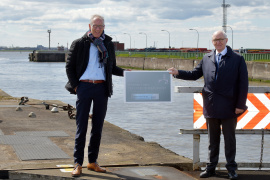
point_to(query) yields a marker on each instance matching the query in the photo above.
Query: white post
(196, 152)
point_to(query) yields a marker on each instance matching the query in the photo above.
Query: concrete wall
(256, 70)
(47, 56)
(155, 63)
(130, 62)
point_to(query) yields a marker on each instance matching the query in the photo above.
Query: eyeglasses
(218, 40)
(98, 26)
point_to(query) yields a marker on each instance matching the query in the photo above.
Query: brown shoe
(77, 171)
(95, 167)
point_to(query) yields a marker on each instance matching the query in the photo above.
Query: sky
(25, 23)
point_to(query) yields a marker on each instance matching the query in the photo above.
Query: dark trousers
(86, 94)
(214, 132)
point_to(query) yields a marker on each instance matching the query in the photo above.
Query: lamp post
(169, 38)
(115, 42)
(197, 41)
(129, 40)
(145, 36)
(49, 31)
(115, 37)
(155, 44)
(232, 34)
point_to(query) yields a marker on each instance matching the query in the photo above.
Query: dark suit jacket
(229, 91)
(78, 58)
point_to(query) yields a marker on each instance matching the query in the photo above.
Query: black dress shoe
(232, 175)
(206, 174)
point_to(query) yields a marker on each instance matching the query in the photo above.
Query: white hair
(96, 16)
(220, 31)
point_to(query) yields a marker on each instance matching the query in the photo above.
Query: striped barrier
(256, 120)
(256, 117)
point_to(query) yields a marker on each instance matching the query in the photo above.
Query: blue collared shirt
(222, 52)
(94, 70)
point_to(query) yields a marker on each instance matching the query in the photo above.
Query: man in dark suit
(224, 98)
(90, 65)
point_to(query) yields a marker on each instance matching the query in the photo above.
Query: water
(157, 122)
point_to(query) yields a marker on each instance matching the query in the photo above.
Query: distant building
(60, 48)
(119, 46)
(40, 47)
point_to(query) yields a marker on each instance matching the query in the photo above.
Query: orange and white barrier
(256, 117)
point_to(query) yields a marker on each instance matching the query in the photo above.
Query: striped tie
(218, 60)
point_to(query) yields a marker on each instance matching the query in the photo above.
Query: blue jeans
(86, 94)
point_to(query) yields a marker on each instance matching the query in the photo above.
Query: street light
(145, 36)
(169, 38)
(115, 37)
(232, 34)
(197, 41)
(115, 42)
(49, 31)
(129, 40)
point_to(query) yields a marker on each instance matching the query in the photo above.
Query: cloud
(63, 2)
(182, 14)
(69, 19)
(252, 3)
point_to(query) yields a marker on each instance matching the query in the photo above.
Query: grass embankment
(259, 80)
(262, 60)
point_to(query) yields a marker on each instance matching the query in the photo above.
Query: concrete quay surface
(41, 147)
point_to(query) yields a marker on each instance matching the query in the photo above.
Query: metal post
(49, 31)
(232, 34)
(225, 6)
(115, 42)
(129, 40)
(262, 143)
(197, 41)
(115, 37)
(145, 37)
(169, 38)
(196, 151)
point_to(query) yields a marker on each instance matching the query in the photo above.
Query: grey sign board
(148, 86)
